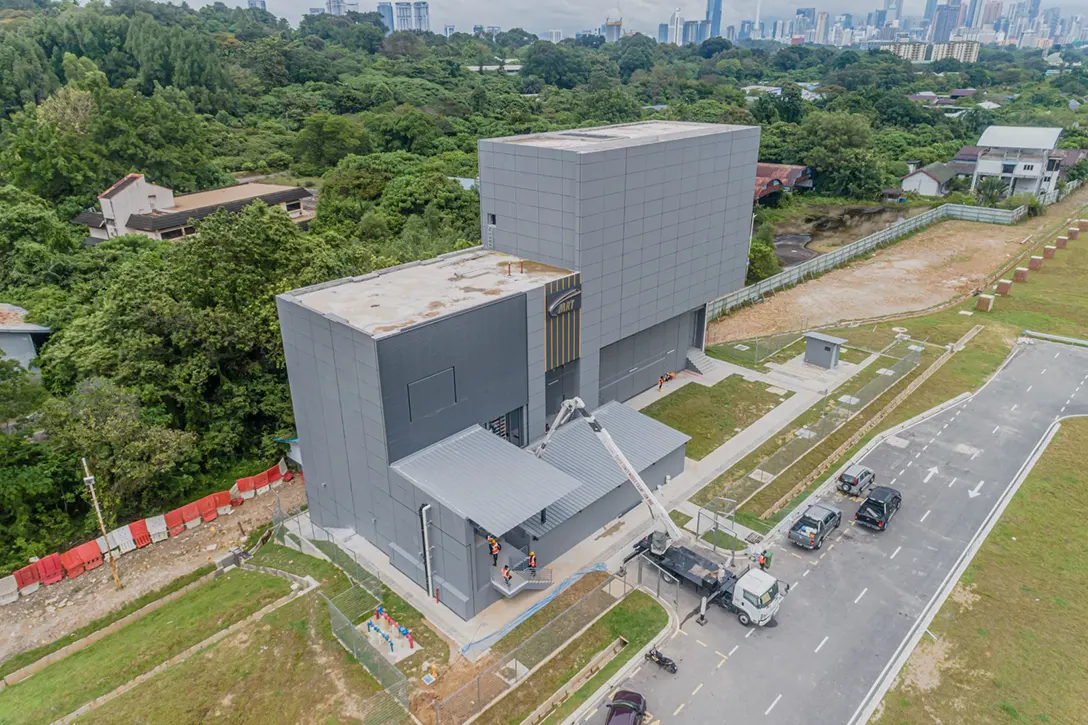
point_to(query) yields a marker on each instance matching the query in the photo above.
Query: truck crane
(713, 580)
(667, 531)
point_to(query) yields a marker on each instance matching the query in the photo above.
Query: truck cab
(754, 597)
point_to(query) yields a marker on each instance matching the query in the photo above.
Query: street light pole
(88, 479)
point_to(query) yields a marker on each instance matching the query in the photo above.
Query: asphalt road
(793, 249)
(853, 603)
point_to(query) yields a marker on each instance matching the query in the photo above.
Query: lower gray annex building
(418, 390)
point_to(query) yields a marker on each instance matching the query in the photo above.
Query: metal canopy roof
(1023, 137)
(482, 477)
(826, 338)
(576, 450)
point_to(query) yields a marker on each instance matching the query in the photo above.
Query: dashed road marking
(975, 455)
(677, 710)
(925, 515)
(902, 472)
(822, 643)
(735, 648)
(994, 430)
(1057, 354)
(952, 481)
(795, 585)
(797, 555)
(768, 710)
(682, 632)
(1044, 372)
(750, 633)
(1013, 407)
(897, 549)
(696, 690)
(861, 595)
(635, 673)
(1029, 388)
(924, 447)
(893, 481)
(806, 572)
(1062, 410)
(700, 642)
(918, 454)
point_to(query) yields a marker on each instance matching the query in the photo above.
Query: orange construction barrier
(174, 523)
(139, 532)
(50, 570)
(90, 554)
(190, 514)
(206, 506)
(222, 502)
(73, 564)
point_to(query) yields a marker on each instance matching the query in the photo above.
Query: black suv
(878, 509)
(626, 708)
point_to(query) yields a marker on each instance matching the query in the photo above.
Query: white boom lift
(660, 540)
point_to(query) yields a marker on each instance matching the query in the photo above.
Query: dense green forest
(165, 367)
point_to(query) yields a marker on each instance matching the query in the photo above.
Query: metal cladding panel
(481, 477)
(486, 349)
(576, 450)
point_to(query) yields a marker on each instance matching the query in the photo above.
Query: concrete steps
(699, 362)
(521, 580)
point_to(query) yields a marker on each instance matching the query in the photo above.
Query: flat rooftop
(588, 140)
(385, 302)
(215, 197)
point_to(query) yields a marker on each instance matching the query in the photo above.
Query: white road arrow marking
(977, 490)
(929, 474)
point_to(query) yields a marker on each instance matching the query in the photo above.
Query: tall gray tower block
(655, 215)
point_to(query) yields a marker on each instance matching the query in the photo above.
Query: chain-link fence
(295, 530)
(515, 665)
(758, 350)
(836, 409)
(391, 704)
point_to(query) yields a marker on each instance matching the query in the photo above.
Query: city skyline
(641, 16)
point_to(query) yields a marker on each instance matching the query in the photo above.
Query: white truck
(755, 596)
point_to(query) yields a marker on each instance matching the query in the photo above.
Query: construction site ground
(52, 612)
(937, 264)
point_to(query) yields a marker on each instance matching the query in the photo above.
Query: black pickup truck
(877, 510)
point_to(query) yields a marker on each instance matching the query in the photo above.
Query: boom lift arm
(660, 540)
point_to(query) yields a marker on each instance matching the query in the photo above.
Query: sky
(643, 15)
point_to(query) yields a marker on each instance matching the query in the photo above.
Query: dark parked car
(626, 708)
(814, 526)
(878, 509)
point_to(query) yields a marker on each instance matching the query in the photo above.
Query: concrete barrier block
(1020, 275)
(985, 303)
(1036, 262)
(1061, 242)
(1074, 232)
(1004, 287)
(9, 590)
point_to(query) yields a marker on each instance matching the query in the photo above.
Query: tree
(990, 190)
(712, 46)
(637, 54)
(325, 139)
(127, 452)
(762, 260)
(555, 65)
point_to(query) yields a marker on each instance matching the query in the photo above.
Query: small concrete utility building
(822, 350)
(419, 390)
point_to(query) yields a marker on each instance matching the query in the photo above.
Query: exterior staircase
(521, 579)
(699, 362)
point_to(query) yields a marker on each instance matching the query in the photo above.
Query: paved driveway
(854, 603)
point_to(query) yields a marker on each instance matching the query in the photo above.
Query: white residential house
(932, 180)
(136, 206)
(1024, 157)
(19, 339)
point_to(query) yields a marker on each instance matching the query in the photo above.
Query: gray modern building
(418, 390)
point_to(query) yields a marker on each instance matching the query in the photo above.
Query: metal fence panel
(824, 262)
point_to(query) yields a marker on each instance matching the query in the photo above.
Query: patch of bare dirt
(926, 664)
(964, 596)
(938, 264)
(54, 611)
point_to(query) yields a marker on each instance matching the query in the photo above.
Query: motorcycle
(661, 660)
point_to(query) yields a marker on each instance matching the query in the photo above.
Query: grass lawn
(25, 658)
(711, 416)
(1013, 637)
(114, 660)
(755, 357)
(286, 668)
(679, 518)
(638, 618)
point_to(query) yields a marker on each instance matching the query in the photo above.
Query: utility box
(822, 350)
